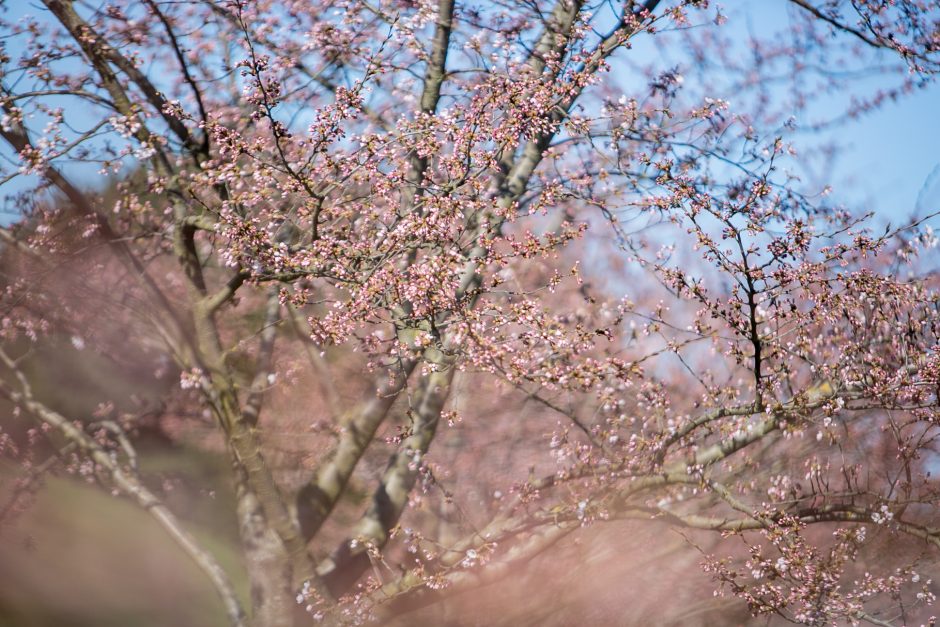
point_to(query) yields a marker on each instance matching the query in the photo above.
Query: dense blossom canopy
(509, 277)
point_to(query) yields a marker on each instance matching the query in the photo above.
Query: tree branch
(350, 560)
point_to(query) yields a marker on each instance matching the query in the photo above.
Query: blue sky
(889, 155)
(893, 153)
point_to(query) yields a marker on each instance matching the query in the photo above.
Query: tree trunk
(269, 569)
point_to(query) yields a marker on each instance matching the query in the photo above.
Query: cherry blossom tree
(505, 280)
